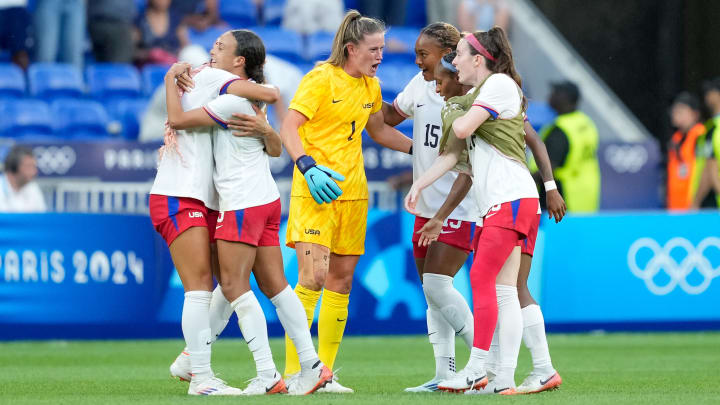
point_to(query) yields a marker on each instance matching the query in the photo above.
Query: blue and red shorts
(519, 215)
(456, 233)
(256, 226)
(172, 216)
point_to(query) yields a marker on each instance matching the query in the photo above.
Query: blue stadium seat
(539, 114)
(25, 118)
(152, 77)
(55, 80)
(394, 77)
(319, 46)
(416, 13)
(85, 119)
(238, 13)
(128, 113)
(404, 38)
(273, 11)
(12, 81)
(110, 81)
(206, 38)
(282, 43)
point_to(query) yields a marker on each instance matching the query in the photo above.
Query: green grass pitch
(596, 369)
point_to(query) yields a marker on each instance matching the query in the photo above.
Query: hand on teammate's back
(250, 125)
(320, 180)
(555, 205)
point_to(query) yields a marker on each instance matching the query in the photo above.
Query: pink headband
(478, 46)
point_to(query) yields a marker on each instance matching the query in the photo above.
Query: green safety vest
(580, 175)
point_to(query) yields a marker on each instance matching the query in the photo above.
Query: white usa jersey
(496, 177)
(242, 168)
(420, 102)
(188, 171)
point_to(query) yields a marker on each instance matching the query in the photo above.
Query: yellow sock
(331, 325)
(309, 299)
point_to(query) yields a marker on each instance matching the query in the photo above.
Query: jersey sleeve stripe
(215, 117)
(494, 114)
(225, 86)
(399, 110)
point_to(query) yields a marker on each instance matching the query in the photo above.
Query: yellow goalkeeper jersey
(337, 107)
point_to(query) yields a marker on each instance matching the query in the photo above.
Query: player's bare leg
(543, 377)
(236, 261)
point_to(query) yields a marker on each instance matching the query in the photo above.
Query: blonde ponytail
(353, 29)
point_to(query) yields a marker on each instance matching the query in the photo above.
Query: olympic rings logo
(678, 273)
(54, 159)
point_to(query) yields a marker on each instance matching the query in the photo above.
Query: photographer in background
(18, 191)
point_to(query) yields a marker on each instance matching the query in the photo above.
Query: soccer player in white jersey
(247, 228)
(543, 376)
(183, 208)
(489, 120)
(448, 313)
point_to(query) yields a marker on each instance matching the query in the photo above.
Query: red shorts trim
(456, 233)
(256, 226)
(172, 216)
(519, 215)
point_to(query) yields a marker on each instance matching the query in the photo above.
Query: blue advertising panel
(639, 268)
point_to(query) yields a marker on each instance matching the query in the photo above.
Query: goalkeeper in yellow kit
(329, 201)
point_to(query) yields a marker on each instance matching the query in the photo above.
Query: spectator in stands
(286, 77)
(18, 191)
(683, 167)
(110, 23)
(474, 15)
(572, 143)
(390, 12)
(310, 16)
(60, 31)
(708, 191)
(198, 14)
(160, 34)
(16, 31)
(442, 10)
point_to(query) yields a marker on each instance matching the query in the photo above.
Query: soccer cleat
(180, 368)
(464, 380)
(310, 381)
(492, 388)
(266, 386)
(536, 382)
(430, 386)
(212, 386)
(334, 387)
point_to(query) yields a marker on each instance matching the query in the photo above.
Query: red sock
(494, 246)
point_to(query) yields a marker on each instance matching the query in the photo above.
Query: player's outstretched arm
(390, 114)
(386, 135)
(442, 164)
(253, 91)
(555, 203)
(431, 230)
(320, 179)
(467, 124)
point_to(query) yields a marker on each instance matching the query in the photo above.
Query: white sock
(509, 331)
(476, 363)
(491, 364)
(442, 338)
(292, 317)
(441, 294)
(535, 339)
(220, 312)
(254, 329)
(196, 330)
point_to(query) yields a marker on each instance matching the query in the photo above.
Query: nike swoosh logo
(497, 391)
(209, 342)
(445, 232)
(268, 389)
(341, 320)
(432, 333)
(489, 215)
(546, 381)
(219, 226)
(419, 105)
(248, 342)
(336, 101)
